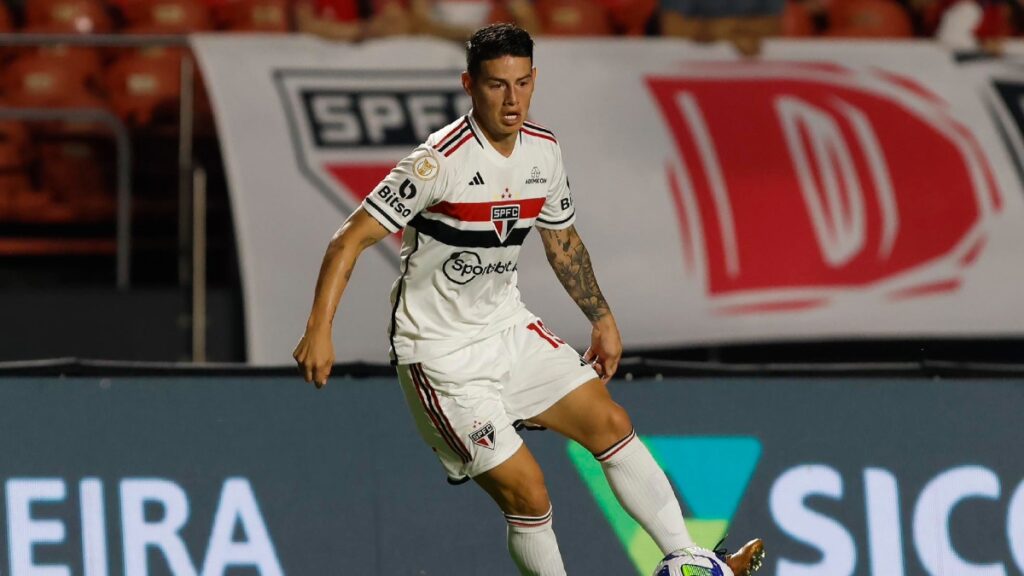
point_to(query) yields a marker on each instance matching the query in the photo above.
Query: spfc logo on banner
(349, 127)
(838, 182)
(504, 219)
(483, 436)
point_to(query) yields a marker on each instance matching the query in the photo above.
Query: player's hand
(315, 355)
(605, 348)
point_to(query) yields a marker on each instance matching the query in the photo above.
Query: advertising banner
(827, 190)
(215, 476)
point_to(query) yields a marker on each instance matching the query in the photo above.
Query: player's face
(501, 94)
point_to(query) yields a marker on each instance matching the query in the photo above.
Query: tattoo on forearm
(571, 262)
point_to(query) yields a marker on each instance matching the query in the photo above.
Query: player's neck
(504, 144)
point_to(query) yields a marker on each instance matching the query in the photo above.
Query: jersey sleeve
(413, 185)
(558, 212)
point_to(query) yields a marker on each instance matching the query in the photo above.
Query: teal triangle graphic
(711, 473)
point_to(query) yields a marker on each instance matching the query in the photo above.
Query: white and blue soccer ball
(692, 562)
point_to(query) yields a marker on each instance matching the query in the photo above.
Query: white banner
(829, 190)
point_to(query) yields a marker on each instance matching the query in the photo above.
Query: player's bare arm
(315, 351)
(570, 260)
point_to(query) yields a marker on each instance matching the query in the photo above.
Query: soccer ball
(692, 562)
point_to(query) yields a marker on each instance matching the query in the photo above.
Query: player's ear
(467, 83)
(534, 72)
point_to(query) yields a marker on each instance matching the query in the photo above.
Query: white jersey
(467, 209)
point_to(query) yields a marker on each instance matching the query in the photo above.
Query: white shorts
(466, 403)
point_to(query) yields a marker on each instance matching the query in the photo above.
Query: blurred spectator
(970, 24)
(633, 17)
(744, 23)
(597, 17)
(573, 18)
(458, 19)
(252, 15)
(852, 18)
(868, 19)
(352, 20)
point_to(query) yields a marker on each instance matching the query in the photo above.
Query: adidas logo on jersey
(478, 179)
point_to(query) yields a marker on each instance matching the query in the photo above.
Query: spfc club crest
(483, 436)
(349, 127)
(504, 219)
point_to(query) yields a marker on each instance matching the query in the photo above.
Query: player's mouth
(510, 118)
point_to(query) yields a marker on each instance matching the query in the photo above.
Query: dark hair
(495, 41)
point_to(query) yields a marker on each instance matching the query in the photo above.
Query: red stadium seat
(14, 145)
(631, 17)
(254, 15)
(67, 16)
(499, 13)
(166, 16)
(85, 62)
(144, 85)
(48, 79)
(796, 20)
(573, 18)
(6, 22)
(868, 19)
(19, 201)
(78, 174)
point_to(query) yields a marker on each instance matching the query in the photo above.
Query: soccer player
(473, 362)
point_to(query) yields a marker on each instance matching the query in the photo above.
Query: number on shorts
(546, 334)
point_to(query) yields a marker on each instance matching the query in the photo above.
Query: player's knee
(616, 421)
(529, 497)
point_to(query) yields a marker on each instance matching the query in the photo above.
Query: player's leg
(456, 405)
(589, 416)
(517, 486)
(553, 387)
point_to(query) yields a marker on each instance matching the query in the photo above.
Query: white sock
(532, 544)
(644, 491)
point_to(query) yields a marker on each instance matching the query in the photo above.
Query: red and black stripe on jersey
(457, 137)
(475, 212)
(432, 406)
(538, 131)
(557, 222)
(369, 201)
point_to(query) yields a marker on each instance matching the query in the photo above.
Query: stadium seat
(49, 79)
(67, 16)
(868, 19)
(573, 18)
(14, 145)
(797, 21)
(14, 178)
(499, 13)
(45, 79)
(166, 16)
(19, 200)
(253, 15)
(631, 17)
(78, 174)
(144, 85)
(84, 61)
(6, 22)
